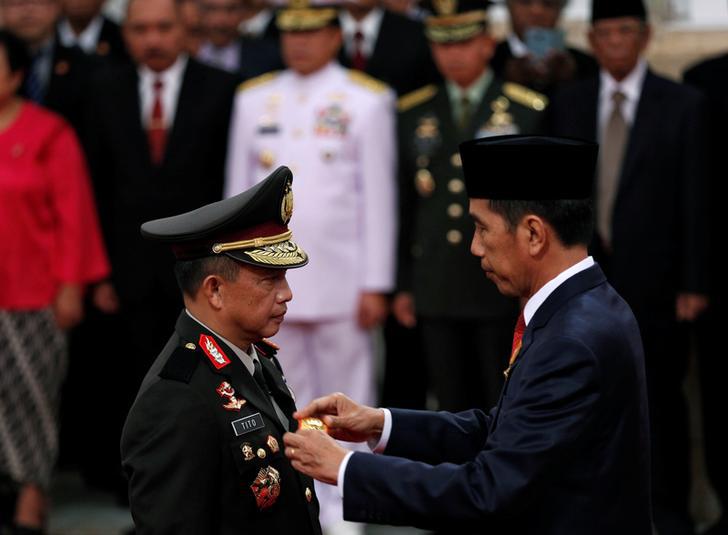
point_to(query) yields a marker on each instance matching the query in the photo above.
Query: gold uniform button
(261, 453)
(309, 495)
(455, 211)
(266, 159)
(455, 160)
(454, 237)
(456, 185)
(190, 346)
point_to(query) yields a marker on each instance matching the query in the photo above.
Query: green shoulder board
(525, 96)
(416, 97)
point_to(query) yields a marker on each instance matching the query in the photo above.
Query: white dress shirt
(533, 304)
(172, 80)
(631, 87)
(87, 40)
(368, 26)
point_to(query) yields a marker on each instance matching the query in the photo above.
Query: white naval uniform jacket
(335, 129)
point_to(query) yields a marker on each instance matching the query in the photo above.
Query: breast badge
(226, 391)
(332, 121)
(272, 444)
(427, 136)
(501, 121)
(247, 449)
(424, 183)
(313, 423)
(266, 488)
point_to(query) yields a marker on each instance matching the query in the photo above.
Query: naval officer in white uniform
(335, 129)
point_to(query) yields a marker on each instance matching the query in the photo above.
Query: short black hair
(573, 220)
(191, 273)
(16, 50)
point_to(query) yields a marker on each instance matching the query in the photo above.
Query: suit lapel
(190, 95)
(648, 110)
(130, 111)
(235, 372)
(382, 45)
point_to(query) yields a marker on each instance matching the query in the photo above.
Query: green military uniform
(466, 323)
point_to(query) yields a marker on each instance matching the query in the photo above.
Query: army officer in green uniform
(202, 445)
(440, 284)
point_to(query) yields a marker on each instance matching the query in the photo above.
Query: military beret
(529, 167)
(251, 227)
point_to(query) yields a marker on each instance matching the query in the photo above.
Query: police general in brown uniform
(202, 445)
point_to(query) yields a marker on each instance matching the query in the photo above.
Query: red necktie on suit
(359, 60)
(156, 131)
(517, 342)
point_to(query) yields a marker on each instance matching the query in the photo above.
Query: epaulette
(266, 348)
(525, 96)
(367, 81)
(181, 364)
(258, 80)
(416, 97)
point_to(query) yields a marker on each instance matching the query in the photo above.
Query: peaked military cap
(612, 9)
(251, 227)
(529, 168)
(306, 15)
(456, 20)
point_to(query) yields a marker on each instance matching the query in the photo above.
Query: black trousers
(466, 359)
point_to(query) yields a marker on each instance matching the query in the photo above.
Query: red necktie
(359, 60)
(156, 131)
(517, 341)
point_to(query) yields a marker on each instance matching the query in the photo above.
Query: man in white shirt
(568, 442)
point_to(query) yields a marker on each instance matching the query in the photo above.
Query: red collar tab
(216, 355)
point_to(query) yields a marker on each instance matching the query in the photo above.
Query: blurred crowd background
(111, 116)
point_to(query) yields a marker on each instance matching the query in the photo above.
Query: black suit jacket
(111, 44)
(660, 226)
(565, 451)
(401, 55)
(711, 77)
(67, 86)
(586, 66)
(182, 449)
(130, 190)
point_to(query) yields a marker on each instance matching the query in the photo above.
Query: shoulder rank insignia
(525, 96)
(258, 80)
(227, 392)
(266, 487)
(416, 97)
(266, 348)
(367, 81)
(216, 355)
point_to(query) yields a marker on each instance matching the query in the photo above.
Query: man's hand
(315, 454)
(68, 306)
(689, 306)
(105, 299)
(372, 309)
(403, 308)
(346, 419)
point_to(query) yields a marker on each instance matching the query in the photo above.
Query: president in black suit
(156, 143)
(566, 450)
(387, 46)
(651, 224)
(711, 77)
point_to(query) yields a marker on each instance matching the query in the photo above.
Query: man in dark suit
(386, 45)
(711, 76)
(202, 446)
(156, 144)
(83, 25)
(58, 74)
(515, 61)
(566, 450)
(441, 288)
(226, 49)
(651, 224)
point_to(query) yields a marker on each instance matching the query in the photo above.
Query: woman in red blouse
(50, 250)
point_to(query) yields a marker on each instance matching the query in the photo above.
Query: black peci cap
(251, 227)
(613, 9)
(529, 168)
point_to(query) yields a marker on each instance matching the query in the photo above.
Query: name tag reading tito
(248, 424)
